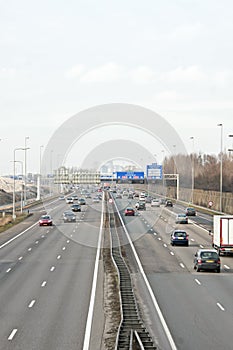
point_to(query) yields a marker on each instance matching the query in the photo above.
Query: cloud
(143, 75)
(223, 78)
(187, 31)
(185, 74)
(190, 77)
(107, 73)
(75, 71)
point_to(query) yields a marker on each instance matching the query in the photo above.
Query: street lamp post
(174, 170)
(13, 204)
(51, 171)
(25, 168)
(21, 201)
(192, 190)
(220, 199)
(39, 176)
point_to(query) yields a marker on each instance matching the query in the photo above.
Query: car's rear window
(207, 255)
(180, 234)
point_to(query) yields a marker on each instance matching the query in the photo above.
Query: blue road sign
(154, 171)
(128, 175)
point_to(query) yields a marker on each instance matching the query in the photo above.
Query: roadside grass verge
(7, 221)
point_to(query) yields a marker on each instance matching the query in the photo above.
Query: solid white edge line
(156, 305)
(220, 307)
(94, 285)
(13, 333)
(17, 236)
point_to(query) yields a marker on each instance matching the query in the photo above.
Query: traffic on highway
(53, 277)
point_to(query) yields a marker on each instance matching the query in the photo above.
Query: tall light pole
(220, 199)
(25, 168)
(192, 191)
(51, 171)
(21, 202)
(39, 176)
(174, 170)
(13, 204)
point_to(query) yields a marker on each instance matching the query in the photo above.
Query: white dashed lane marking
(43, 284)
(13, 333)
(182, 265)
(20, 258)
(52, 268)
(58, 257)
(8, 270)
(220, 307)
(226, 267)
(197, 281)
(29, 249)
(31, 304)
(64, 248)
(172, 253)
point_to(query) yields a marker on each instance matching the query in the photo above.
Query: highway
(47, 275)
(197, 306)
(46, 282)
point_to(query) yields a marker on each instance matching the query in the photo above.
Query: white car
(95, 200)
(155, 203)
(69, 200)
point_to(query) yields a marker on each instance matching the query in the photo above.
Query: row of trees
(206, 170)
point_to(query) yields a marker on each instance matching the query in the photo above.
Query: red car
(129, 211)
(45, 220)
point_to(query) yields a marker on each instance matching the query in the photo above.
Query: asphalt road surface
(46, 277)
(197, 306)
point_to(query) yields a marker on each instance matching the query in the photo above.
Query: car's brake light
(199, 261)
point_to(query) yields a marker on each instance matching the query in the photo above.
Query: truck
(223, 234)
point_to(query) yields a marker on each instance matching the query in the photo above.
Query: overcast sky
(59, 57)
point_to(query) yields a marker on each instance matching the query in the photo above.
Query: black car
(190, 211)
(141, 205)
(207, 259)
(168, 203)
(75, 207)
(179, 237)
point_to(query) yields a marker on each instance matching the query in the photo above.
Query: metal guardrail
(132, 333)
